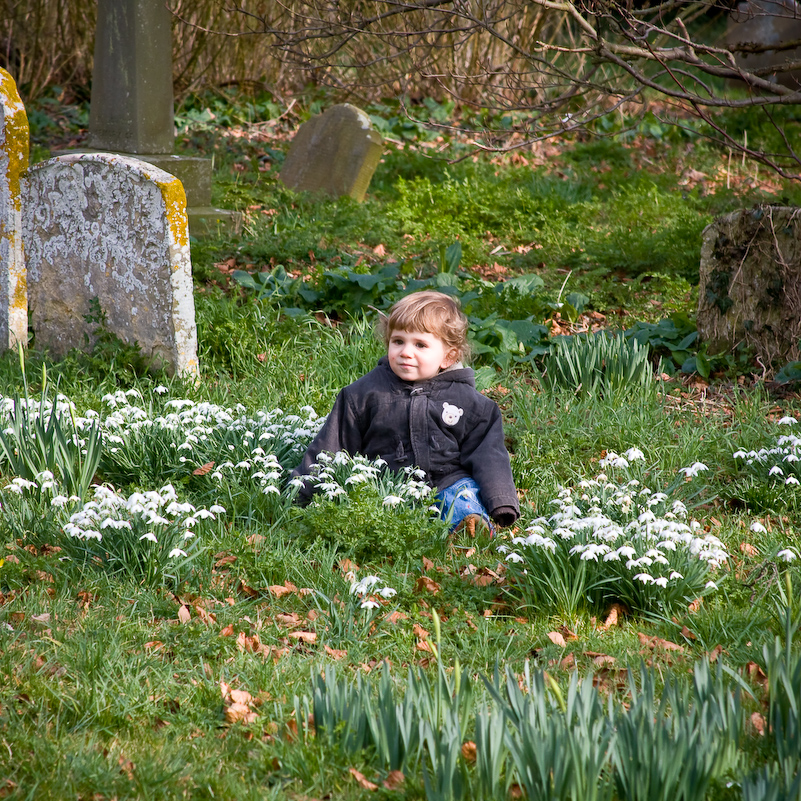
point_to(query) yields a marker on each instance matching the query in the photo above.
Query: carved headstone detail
(111, 228)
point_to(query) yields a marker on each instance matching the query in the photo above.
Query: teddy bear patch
(451, 414)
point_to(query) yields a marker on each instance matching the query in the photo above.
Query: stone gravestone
(14, 139)
(335, 152)
(750, 290)
(111, 228)
(767, 22)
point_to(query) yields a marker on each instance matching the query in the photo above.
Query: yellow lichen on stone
(17, 136)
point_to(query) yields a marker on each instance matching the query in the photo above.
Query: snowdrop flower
(387, 592)
(150, 536)
(175, 552)
(160, 390)
(661, 581)
(710, 585)
(775, 471)
(788, 554)
(757, 527)
(675, 575)
(788, 421)
(59, 500)
(514, 556)
(791, 480)
(694, 469)
(634, 455)
(739, 454)
(369, 604)
(392, 500)
(365, 585)
(645, 578)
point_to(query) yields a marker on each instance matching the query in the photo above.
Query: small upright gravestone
(14, 138)
(111, 228)
(750, 290)
(335, 152)
(765, 23)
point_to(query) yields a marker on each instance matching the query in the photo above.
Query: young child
(420, 407)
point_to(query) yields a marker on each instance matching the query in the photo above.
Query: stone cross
(111, 228)
(14, 145)
(335, 152)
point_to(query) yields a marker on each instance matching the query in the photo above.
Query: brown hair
(431, 312)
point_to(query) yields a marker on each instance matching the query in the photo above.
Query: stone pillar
(132, 102)
(132, 99)
(111, 228)
(14, 145)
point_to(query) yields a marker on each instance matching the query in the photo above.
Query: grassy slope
(105, 694)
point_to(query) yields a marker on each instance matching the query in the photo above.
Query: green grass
(110, 685)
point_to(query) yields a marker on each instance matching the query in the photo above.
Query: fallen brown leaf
(613, 617)
(304, 636)
(289, 621)
(184, 613)
(394, 780)
(362, 780)
(335, 653)
(239, 713)
(227, 631)
(207, 617)
(425, 584)
(203, 469)
(748, 549)
(557, 639)
(420, 632)
(759, 723)
(658, 642)
(240, 697)
(469, 751)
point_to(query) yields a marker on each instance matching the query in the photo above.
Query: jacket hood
(461, 375)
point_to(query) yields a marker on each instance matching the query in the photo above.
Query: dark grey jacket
(442, 425)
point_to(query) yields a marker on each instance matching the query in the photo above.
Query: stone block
(14, 144)
(750, 289)
(335, 152)
(112, 228)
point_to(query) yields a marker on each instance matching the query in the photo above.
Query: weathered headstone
(14, 143)
(750, 289)
(132, 112)
(112, 228)
(335, 152)
(767, 22)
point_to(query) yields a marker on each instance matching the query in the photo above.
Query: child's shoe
(472, 523)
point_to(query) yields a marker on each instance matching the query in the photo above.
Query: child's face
(417, 355)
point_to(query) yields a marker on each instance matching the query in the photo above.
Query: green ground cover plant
(174, 626)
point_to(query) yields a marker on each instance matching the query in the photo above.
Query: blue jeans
(460, 500)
